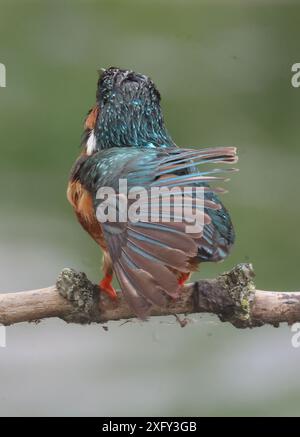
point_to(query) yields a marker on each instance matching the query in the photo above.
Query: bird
(125, 139)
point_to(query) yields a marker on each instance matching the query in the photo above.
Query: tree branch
(232, 297)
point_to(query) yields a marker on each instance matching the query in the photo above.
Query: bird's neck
(131, 126)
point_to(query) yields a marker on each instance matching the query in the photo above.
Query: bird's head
(129, 112)
(125, 87)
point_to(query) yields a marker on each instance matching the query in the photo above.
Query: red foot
(183, 278)
(105, 285)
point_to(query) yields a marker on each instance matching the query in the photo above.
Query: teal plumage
(128, 140)
(130, 113)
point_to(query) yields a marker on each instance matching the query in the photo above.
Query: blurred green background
(224, 71)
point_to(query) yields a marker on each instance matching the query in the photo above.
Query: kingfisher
(125, 139)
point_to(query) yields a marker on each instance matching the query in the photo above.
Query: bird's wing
(146, 254)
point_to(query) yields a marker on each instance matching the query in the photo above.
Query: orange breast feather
(91, 118)
(82, 202)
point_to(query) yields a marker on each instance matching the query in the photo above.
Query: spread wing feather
(147, 254)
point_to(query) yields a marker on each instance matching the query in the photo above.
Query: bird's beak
(101, 71)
